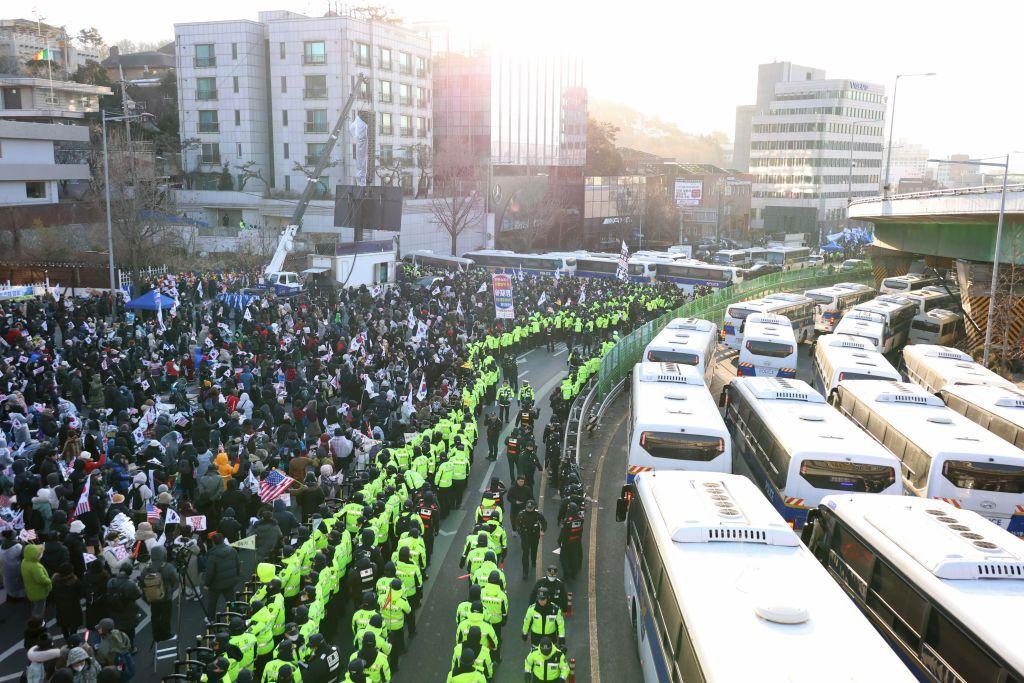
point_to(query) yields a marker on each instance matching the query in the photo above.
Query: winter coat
(66, 597)
(13, 583)
(268, 537)
(223, 569)
(158, 563)
(55, 554)
(96, 393)
(210, 487)
(37, 580)
(225, 468)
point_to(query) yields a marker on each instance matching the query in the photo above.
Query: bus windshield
(984, 476)
(698, 447)
(819, 298)
(925, 326)
(769, 349)
(673, 357)
(738, 313)
(847, 476)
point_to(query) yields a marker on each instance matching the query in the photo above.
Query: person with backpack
(158, 582)
(114, 649)
(123, 594)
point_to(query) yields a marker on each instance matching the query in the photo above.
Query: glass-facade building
(612, 210)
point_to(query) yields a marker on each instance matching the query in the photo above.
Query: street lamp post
(1005, 165)
(892, 121)
(106, 197)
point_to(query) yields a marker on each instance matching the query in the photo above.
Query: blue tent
(149, 301)
(831, 246)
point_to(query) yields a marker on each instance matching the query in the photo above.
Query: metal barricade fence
(621, 358)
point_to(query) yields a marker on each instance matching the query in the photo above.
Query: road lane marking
(595, 661)
(523, 374)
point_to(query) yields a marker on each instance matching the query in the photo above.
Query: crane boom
(286, 242)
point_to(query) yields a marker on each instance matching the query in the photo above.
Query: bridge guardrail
(620, 359)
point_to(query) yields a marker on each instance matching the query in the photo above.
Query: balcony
(384, 97)
(209, 126)
(205, 62)
(314, 94)
(421, 73)
(405, 69)
(209, 158)
(405, 132)
(387, 130)
(314, 59)
(315, 127)
(421, 132)
(421, 104)
(385, 65)
(405, 101)
(206, 94)
(362, 61)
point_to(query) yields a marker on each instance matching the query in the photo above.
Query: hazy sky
(692, 62)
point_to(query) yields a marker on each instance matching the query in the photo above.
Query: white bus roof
(885, 304)
(756, 603)
(1005, 401)
(940, 314)
(808, 426)
(685, 334)
(667, 394)
(953, 366)
(788, 297)
(768, 326)
(978, 578)
(855, 354)
(926, 422)
(855, 286)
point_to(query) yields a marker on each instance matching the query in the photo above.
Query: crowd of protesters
(136, 452)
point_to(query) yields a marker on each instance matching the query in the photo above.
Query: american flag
(153, 513)
(83, 501)
(274, 486)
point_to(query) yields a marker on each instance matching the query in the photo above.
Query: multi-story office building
(266, 94)
(909, 160)
(814, 143)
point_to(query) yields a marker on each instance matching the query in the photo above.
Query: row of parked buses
(643, 266)
(712, 557)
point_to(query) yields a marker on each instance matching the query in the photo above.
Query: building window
(208, 121)
(316, 121)
(384, 91)
(315, 88)
(421, 127)
(210, 153)
(287, 180)
(405, 126)
(405, 94)
(362, 51)
(234, 83)
(206, 88)
(286, 150)
(284, 84)
(421, 97)
(204, 56)
(238, 117)
(387, 154)
(234, 50)
(385, 124)
(238, 149)
(284, 117)
(421, 67)
(405, 63)
(313, 152)
(280, 48)
(384, 59)
(314, 52)
(35, 189)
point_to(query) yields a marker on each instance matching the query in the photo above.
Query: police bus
(931, 297)
(719, 588)
(687, 341)
(797, 448)
(933, 367)
(831, 302)
(425, 257)
(944, 454)
(998, 409)
(937, 326)
(867, 326)
(503, 261)
(739, 258)
(942, 586)
(769, 348)
(896, 313)
(674, 422)
(735, 316)
(840, 356)
(799, 309)
(901, 284)
(688, 274)
(788, 258)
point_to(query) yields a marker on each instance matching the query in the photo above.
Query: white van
(687, 341)
(768, 348)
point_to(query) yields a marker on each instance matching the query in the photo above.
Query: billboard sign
(688, 192)
(501, 289)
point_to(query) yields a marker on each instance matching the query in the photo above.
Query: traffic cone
(568, 604)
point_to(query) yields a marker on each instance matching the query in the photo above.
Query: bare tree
(389, 171)
(307, 171)
(251, 171)
(90, 37)
(1007, 338)
(379, 13)
(422, 155)
(140, 205)
(456, 204)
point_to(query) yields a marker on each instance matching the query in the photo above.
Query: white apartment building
(909, 160)
(814, 143)
(44, 99)
(270, 91)
(32, 165)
